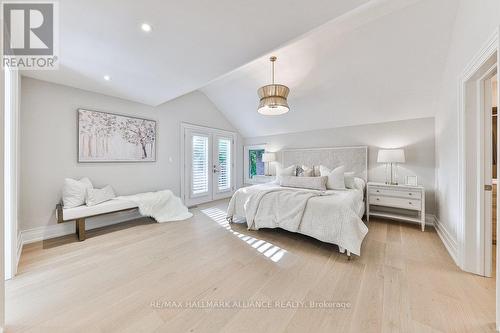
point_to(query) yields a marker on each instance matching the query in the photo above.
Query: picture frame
(112, 137)
(411, 180)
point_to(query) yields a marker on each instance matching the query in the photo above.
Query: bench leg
(80, 229)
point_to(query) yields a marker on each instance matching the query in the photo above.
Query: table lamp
(391, 157)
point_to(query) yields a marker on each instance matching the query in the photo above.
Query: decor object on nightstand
(399, 202)
(391, 157)
(411, 180)
(267, 158)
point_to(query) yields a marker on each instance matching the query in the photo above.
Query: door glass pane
(256, 166)
(199, 179)
(224, 182)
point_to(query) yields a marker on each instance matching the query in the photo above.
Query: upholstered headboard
(353, 158)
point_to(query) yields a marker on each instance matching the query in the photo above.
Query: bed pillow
(290, 171)
(316, 172)
(313, 183)
(349, 180)
(335, 177)
(75, 192)
(359, 184)
(96, 196)
(305, 171)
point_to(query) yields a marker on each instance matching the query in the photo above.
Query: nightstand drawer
(396, 193)
(395, 202)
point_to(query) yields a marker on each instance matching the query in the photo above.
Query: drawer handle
(410, 203)
(378, 199)
(409, 194)
(378, 191)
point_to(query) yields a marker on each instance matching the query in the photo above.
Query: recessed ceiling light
(107, 77)
(146, 27)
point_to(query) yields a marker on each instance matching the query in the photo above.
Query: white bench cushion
(102, 208)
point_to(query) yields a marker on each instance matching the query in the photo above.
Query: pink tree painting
(107, 137)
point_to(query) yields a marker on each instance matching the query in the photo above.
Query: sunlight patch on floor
(271, 251)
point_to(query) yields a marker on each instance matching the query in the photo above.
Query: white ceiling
(192, 42)
(381, 62)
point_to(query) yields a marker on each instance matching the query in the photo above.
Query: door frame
(471, 224)
(485, 217)
(182, 163)
(470, 236)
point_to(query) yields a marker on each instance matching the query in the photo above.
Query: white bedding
(332, 216)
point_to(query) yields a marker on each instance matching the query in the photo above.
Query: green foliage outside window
(255, 160)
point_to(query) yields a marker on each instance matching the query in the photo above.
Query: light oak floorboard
(121, 278)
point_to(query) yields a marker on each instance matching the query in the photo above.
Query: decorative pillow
(313, 183)
(335, 177)
(304, 171)
(75, 191)
(96, 196)
(349, 180)
(359, 184)
(290, 171)
(316, 172)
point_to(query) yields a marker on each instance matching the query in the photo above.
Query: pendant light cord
(273, 71)
(272, 59)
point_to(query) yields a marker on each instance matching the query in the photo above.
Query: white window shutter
(199, 179)
(224, 182)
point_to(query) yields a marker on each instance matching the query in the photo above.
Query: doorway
(208, 168)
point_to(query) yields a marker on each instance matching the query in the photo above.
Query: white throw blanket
(282, 208)
(163, 206)
(330, 216)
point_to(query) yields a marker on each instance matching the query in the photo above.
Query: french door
(208, 172)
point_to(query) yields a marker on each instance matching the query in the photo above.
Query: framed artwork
(108, 137)
(411, 180)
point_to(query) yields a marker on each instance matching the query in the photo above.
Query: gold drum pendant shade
(273, 97)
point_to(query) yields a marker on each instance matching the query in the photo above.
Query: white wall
(415, 136)
(476, 21)
(49, 145)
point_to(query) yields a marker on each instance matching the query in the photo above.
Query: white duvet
(330, 216)
(163, 206)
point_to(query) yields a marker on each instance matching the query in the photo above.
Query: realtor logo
(29, 35)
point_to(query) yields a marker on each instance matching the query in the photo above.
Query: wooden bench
(80, 213)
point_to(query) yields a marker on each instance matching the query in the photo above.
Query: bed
(331, 216)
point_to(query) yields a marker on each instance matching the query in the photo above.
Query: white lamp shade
(268, 157)
(391, 156)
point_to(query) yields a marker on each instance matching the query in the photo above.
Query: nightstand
(401, 199)
(260, 179)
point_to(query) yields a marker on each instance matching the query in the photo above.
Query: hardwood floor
(121, 279)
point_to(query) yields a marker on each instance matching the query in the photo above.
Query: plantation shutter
(200, 175)
(224, 182)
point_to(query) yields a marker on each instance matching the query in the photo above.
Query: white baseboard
(67, 228)
(430, 220)
(449, 242)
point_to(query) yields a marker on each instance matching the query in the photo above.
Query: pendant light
(273, 97)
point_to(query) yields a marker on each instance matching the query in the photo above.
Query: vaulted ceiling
(191, 43)
(346, 62)
(381, 62)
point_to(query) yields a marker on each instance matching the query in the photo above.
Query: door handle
(488, 187)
